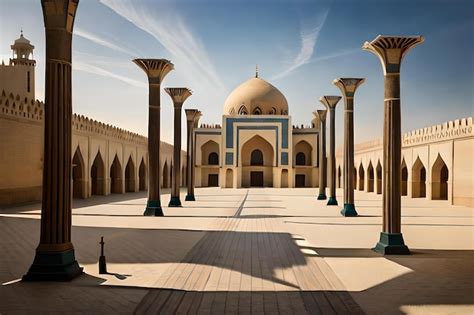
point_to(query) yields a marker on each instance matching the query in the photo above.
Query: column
(390, 50)
(178, 95)
(55, 259)
(330, 102)
(191, 115)
(193, 152)
(348, 86)
(156, 70)
(322, 155)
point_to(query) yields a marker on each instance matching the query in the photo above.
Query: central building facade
(257, 145)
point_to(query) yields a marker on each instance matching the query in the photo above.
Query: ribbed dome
(256, 97)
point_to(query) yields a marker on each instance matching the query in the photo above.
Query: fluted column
(191, 115)
(156, 70)
(348, 86)
(330, 102)
(391, 50)
(55, 259)
(178, 95)
(322, 154)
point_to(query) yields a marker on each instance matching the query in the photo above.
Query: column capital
(178, 95)
(190, 114)
(59, 14)
(155, 69)
(348, 86)
(391, 50)
(330, 101)
(321, 113)
(196, 119)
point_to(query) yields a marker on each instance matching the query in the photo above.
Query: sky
(300, 47)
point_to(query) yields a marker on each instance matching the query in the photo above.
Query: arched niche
(418, 179)
(378, 171)
(142, 176)
(130, 175)
(303, 153)
(116, 178)
(97, 175)
(439, 179)
(370, 177)
(210, 153)
(404, 179)
(78, 175)
(361, 177)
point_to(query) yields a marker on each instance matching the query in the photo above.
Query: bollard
(102, 263)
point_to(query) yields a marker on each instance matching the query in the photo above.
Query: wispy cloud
(337, 54)
(169, 28)
(308, 35)
(80, 65)
(102, 41)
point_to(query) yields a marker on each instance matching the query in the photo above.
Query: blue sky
(300, 47)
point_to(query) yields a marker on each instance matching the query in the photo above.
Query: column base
(322, 197)
(102, 265)
(174, 202)
(332, 201)
(53, 266)
(190, 198)
(153, 209)
(349, 210)
(391, 244)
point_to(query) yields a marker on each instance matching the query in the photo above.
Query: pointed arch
(303, 153)
(130, 176)
(116, 179)
(257, 111)
(361, 177)
(97, 175)
(370, 177)
(404, 178)
(165, 182)
(142, 176)
(378, 171)
(439, 179)
(210, 153)
(418, 179)
(243, 110)
(78, 175)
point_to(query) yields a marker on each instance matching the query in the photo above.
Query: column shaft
(349, 151)
(154, 138)
(332, 155)
(176, 179)
(322, 163)
(392, 148)
(189, 161)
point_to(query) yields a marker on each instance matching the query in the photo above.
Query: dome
(256, 97)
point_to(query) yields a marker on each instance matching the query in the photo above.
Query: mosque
(257, 145)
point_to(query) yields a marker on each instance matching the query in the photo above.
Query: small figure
(102, 263)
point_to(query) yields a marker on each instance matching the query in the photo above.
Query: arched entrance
(303, 152)
(361, 177)
(142, 176)
(97, 175)
(284, 178)
(116, 177)
(78, 177)
(378, 171)
(257, 159)
(130, 176)
(439, 180)
(229, 178)
(418, 179)
(165, 174)
(404, 187)
(371, 177)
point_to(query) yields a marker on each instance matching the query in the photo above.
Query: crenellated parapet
(210, 126)
(458, 128)
(16, 106)
(82, 123)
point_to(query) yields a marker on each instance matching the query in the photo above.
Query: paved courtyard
(247, 251)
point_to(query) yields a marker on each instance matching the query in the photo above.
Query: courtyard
(254, 250)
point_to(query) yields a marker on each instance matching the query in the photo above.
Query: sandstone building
(106, 159)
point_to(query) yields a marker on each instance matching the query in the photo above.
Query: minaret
(390, 50)
(55, 259)
(156, 70)
(330, 102)
(178, 95)
(192, 115)
(18, 77)
(348, 86)
(322, 154)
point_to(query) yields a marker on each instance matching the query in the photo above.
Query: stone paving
(247, 250)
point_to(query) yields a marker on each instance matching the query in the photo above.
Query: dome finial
(21, 32)
(256, 70)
